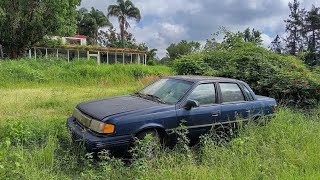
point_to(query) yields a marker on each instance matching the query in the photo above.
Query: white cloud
(266, 40)
(167, 7)
(159, 35)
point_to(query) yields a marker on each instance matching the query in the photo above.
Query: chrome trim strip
(208, 125)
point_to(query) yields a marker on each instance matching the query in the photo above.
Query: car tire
(153, 132)
(150, 153)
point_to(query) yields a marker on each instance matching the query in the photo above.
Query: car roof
(204, 78)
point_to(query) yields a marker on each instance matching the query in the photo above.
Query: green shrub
(317, 70)
(193, 64)
(284, 77)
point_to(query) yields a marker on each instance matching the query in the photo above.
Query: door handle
(215, 114)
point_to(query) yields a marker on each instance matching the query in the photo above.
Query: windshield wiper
(155, 98)
(148, 96)
(139, 94)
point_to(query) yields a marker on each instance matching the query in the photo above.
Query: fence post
(123, 58)
(35, 53)
(1, 52)
(107, 57)
(68, 55)
(98, 58)
(145, 59)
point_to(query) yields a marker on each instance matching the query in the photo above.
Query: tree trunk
(15, 53)
(314, 45)
(122, 32)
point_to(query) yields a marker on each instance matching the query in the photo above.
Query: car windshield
(167, 91)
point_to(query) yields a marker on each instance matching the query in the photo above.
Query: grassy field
(38, 96)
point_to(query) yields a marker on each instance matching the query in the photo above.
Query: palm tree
(89, 23)
(124, 10)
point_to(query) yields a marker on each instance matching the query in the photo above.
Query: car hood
(99, 109)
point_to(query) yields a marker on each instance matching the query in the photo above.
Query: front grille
(82, 118)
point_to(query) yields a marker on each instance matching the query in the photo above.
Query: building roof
(96, 49)
(79, 36)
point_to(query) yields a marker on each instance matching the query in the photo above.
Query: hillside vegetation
(35, 144)
(53, 71)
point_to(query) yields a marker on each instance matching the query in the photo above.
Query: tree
(231, 39)
(152, 53)
(89, 23)
(25, 22)
(276, 45)
(312, 29)
(295, 28)
(111, 38)
(124, 10)
(254, 36)
(182, 48)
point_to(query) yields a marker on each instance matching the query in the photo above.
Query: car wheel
(154, 133)
(148, 148)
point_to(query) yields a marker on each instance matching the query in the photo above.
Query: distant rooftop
(80, 36)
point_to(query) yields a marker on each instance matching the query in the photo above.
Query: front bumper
(95, 142)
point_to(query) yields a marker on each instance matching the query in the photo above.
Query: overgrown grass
(87, 72)
(35, 144)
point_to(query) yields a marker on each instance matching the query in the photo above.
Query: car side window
(231, 92)
(204, 93)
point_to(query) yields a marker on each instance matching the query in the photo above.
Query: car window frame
(248, 98)
(185, 98)
(234, 102)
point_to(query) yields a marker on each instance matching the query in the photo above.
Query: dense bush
(284, 77)
(317, 70)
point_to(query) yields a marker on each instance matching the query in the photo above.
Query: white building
(75, 40)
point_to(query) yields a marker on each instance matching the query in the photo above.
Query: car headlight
(101, 127)
(97, 126)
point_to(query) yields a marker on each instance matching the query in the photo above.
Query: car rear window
(231, 92)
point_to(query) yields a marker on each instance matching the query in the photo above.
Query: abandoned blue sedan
(200, 102)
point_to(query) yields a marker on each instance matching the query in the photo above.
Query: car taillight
(275, 108)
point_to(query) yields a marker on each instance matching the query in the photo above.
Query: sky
(170, 21)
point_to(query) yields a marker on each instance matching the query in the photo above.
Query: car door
(199, 120)
(234, 104)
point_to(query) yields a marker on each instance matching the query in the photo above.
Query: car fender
(149, 126)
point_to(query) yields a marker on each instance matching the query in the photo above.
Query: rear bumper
(94, 142)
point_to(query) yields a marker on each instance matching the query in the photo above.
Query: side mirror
(191, 104)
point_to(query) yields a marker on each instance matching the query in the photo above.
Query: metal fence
(102, 56)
